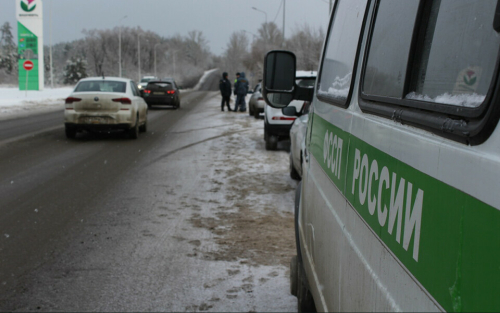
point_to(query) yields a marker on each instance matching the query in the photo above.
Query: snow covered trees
(75, 69)
(8, 50)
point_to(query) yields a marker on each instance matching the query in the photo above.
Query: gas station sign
(30, 44)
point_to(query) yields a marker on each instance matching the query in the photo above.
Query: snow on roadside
(14, 102)
(204, 78)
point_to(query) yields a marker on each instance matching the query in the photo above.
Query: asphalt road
(81, 224)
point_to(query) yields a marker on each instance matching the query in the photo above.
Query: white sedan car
(101, 104)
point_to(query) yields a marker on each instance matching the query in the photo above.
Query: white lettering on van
(367, 174)
(332, 153)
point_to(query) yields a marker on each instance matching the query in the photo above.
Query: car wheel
(293, 172)
(144, 127)
(250, 111)
(271, 142)
(70, 132)
(134, 131)
(304, 296)
(293, 275)
(256, 113)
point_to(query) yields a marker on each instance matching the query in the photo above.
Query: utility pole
(283, 43)
(139, 54)
(120, 47)
(155, 56)
(50, 49)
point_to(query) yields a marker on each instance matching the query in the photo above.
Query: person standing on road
(225, 91)
(241, 90)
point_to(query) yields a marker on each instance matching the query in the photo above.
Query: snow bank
(204, 78)
(14, 101)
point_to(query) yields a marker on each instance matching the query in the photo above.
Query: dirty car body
(103, 104)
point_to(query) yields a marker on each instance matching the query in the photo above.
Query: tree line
(183, 57)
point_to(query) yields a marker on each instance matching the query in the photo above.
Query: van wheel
(256, 113)
(70, 132)
(293, 172)
(304, 297)
(271, 142)
(293, 275)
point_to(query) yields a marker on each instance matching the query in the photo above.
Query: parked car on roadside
(276, 125)
(297, 140)
(162, 93)
(256, 103)
(102, 104)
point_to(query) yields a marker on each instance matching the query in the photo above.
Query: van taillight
(122, 100)
(70, 100)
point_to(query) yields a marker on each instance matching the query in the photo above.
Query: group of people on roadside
(240, 91)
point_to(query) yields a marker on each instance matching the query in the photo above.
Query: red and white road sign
(28, 65)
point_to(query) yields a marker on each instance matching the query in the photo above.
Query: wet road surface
(195, 215)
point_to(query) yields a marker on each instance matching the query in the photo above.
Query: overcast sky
(217, 19)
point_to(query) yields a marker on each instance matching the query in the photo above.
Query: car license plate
(158, 93)
(95, 120)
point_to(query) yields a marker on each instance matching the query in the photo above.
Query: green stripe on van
(447, 239)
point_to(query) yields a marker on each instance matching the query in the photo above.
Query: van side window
(457, 57)
(341, 50)
(388, 58)
(436, 69)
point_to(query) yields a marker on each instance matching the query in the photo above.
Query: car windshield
(101, 86)
(145, 80)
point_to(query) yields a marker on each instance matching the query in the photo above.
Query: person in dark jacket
(225, 91)
(241, 90)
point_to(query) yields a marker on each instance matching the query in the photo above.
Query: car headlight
(139, 86)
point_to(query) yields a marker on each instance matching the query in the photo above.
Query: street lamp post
(261, 12)
(155, 57)
(50, 51)
(139, 53)
(283, 42)
(120, 47)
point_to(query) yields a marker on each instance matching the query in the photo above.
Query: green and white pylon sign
(30, 43)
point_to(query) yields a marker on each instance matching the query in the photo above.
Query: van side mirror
(496, 20)
(279, 78)
(278, 86)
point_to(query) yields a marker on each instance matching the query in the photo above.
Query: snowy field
(16, 103)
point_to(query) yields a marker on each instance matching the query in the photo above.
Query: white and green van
(398, 208)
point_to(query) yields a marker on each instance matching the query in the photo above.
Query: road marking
(32, 134)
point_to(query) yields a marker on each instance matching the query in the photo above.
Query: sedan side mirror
(290, 111)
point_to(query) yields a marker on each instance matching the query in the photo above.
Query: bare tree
(306, 43)
(236, 52)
